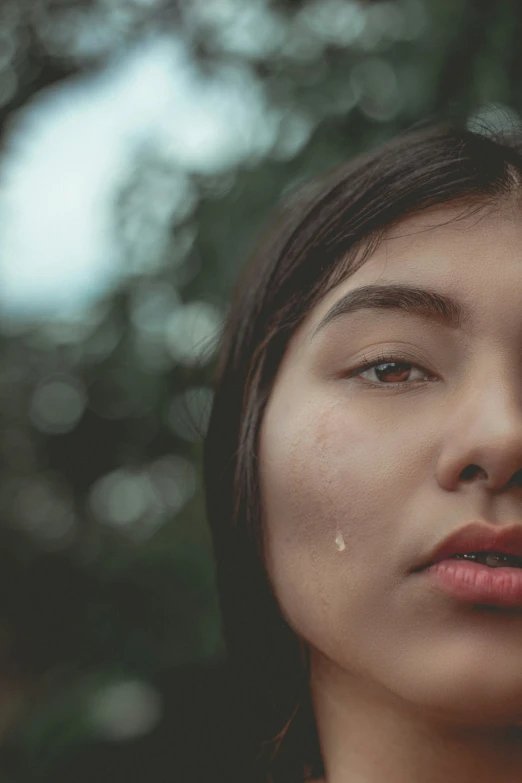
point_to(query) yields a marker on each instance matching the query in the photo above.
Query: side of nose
(483, 440)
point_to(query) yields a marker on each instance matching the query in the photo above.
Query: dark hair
(319, 240)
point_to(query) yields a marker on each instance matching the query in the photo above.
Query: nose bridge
(494, 413)
(494, 380)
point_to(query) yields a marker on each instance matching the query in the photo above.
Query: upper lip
(478, 537)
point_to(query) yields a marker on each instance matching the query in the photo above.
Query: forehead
(468, 253)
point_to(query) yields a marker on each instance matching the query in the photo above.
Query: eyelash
(368, 364)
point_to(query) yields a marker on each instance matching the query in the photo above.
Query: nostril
(472, 470)
(516, 481)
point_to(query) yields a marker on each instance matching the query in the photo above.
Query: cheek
(329, 518)
(327, 470)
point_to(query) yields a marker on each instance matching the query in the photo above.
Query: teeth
(491, 559)
(494, 560)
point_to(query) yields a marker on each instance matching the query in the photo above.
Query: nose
(483, 440)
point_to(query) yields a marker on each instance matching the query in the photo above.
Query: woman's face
(360, 482)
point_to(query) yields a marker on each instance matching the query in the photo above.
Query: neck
(369, 735)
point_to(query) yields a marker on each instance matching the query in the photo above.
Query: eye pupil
(390, 364)
(393, 368)
(389, 371)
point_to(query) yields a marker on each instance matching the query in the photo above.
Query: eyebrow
(416, 301)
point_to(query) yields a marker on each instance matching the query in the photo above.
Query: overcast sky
(74, 145)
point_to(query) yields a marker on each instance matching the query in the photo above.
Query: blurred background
(144, 144)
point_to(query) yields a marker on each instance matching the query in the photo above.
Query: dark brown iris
(403, 374)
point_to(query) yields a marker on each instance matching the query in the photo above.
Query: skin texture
(359, 484)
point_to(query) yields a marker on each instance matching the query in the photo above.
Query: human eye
(396, 367)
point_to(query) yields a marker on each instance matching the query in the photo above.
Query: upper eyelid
(368, 362)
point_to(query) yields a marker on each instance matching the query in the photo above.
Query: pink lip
(473, 582)
(476, 583)
(479, 537)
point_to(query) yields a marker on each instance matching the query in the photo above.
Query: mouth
(484, 579)
(485, 544)
(489, 559)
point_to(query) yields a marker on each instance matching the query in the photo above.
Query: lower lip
(477, 583)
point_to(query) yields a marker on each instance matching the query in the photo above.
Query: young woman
(363, 469)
